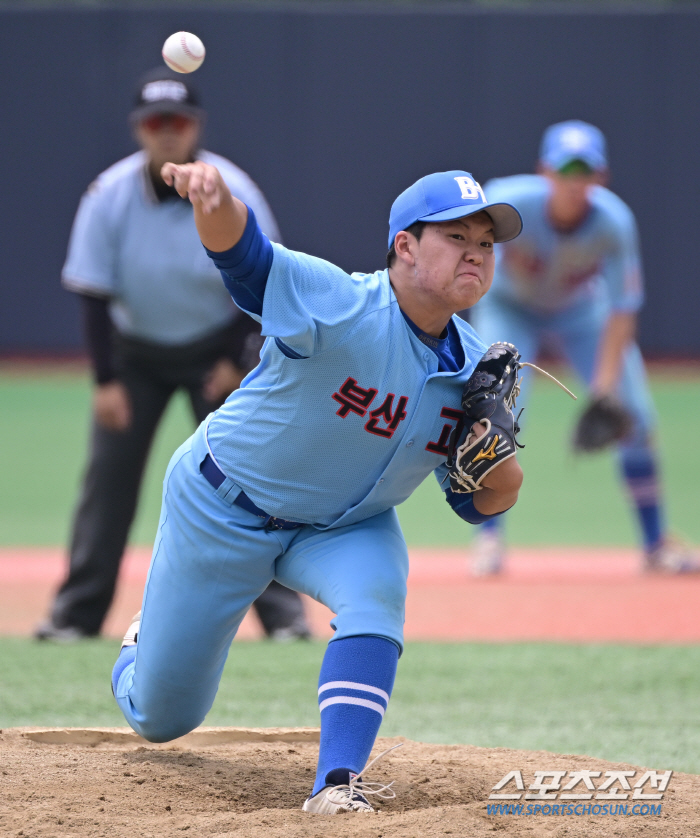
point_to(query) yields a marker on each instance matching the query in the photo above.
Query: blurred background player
(573, 279)
(157, 319)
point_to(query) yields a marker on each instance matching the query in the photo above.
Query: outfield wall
(334, 110)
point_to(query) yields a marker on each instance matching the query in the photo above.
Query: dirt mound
(228, 781)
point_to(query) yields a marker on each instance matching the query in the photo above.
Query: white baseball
(183, 52)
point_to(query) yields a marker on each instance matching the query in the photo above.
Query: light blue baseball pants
(211, 559)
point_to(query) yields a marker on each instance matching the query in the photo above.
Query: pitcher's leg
(354, 687)
(210, 561)
(360, 573)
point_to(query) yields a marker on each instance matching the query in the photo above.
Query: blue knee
(378, 609)
(149, 719)
(159, 725)
(164, 730)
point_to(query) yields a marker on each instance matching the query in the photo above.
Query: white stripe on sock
(351, 685)
(645, 492)
(348, 699)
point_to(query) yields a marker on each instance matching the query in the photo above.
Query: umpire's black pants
(110, 490)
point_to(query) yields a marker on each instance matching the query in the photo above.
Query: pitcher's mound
(251, 783)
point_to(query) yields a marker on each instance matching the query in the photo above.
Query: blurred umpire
(157, 319)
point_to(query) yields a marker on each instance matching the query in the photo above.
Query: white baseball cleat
(350, 796)
(671, 557)
(488, 551)
(132, 632)
(334, 799)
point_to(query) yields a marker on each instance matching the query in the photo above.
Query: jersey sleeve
(302, 301)
(90, 264)
(245, 267)
(309, 302)
(268, 224)
(622, 269)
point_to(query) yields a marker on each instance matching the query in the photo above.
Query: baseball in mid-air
(183, 52)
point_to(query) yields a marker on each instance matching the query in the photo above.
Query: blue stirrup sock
(357, 676)
(640, 475)
(126, 656)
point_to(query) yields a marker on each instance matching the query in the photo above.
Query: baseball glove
(489, 397)
(604, 422)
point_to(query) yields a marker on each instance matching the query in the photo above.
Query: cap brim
(164, 107)
(558, 161)
(507, 222)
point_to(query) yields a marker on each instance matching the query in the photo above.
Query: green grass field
(623, 703)
(627, 703)
(565, 500)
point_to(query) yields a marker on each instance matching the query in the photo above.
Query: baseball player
(297, 475)
(158, 319)
(574, 277)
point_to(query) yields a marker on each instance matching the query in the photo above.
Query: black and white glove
(488, 397)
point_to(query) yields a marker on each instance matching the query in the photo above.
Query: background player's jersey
(346, 414)
(146, 255)
(546, 270)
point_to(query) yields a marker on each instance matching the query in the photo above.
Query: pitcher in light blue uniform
(574, 279)
(297, 475)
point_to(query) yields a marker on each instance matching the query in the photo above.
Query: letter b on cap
(470, 189)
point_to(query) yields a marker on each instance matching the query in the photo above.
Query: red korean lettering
(353, 398)
(440, 447)
(390, 416)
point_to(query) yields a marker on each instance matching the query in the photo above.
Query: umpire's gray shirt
(146, 255)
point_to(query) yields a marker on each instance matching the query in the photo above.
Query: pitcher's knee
(165, 729)
(162, 717)
(387, 623)
(377, 607)
(160, 732)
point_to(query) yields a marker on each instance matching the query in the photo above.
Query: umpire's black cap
(163, 91)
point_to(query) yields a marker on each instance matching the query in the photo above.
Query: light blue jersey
(146, 255)
(546, 271)
(346, 413)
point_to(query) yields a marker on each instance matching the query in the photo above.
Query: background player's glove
(604, 422)
(489, 397)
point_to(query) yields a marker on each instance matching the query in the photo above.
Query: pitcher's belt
(216, 477)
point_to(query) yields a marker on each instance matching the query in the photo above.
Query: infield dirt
(109, 783)
(532, 600)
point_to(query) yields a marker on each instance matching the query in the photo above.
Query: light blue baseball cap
(573, 140)
(444, 196)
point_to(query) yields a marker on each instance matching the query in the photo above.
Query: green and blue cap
(568, 142)
(444, 196)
